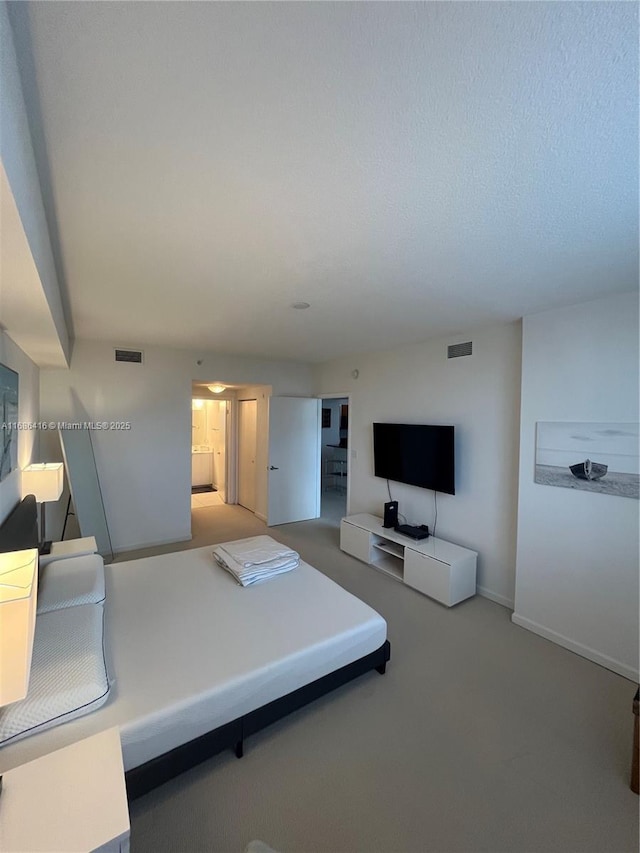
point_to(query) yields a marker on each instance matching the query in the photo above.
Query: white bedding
(190, 650)
(256, 559)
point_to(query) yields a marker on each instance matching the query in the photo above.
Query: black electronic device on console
(419, 532)
(390, 514)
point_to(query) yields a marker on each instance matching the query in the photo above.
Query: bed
(198, 663)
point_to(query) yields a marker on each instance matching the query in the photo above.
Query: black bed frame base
(140, 780)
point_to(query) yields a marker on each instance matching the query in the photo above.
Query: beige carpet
(480, 737)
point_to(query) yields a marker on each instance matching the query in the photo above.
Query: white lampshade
(18, 588)
(44, 480)
(217, 388)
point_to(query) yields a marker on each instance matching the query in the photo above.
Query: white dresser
(439, 569)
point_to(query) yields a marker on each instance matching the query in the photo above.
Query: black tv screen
(417, 454)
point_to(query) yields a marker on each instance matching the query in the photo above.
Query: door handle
(273, 468)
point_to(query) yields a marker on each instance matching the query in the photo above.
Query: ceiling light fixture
(217, 388)
(300, 305)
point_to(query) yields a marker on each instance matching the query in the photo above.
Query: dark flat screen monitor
(416, 454)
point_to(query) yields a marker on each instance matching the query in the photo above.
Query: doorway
(208, 452)
(334, 458)
(272, 449)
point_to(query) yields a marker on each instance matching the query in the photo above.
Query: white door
(294, 459)
(219, 446)
(247, 420)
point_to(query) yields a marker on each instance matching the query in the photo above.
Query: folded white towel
(257, 550)
(256, 574)
(278, 563)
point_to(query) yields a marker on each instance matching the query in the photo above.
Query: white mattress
(189, 650)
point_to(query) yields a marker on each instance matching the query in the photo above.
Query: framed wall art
(593, 457)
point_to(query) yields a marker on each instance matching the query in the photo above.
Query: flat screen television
(417, 454)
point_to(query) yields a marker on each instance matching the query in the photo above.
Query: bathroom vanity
(201, 465)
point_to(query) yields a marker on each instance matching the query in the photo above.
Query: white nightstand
(69, 548)
(70, 800)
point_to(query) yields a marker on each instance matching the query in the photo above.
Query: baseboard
(261, 516)
(493, 596)
(579, 649)
(154, 544)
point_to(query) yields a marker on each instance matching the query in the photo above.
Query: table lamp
(44, 480)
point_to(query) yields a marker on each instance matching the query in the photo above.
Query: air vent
(458, 350)
(133, 356)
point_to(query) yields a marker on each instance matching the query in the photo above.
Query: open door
(294, 459)
(247, 428)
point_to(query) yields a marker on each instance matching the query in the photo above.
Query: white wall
(145, 473)
(28, 403)
(577, 555)
(479, 395)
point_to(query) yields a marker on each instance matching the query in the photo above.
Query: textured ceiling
(408, 169)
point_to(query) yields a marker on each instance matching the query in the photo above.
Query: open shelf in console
(439, 569)
(389, 556)
(390, 548)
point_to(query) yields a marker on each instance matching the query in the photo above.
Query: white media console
(437, 568)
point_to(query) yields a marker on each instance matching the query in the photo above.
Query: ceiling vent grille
(458, 350)
(133, 356)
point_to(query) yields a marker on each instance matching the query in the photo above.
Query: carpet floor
(480, 737)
